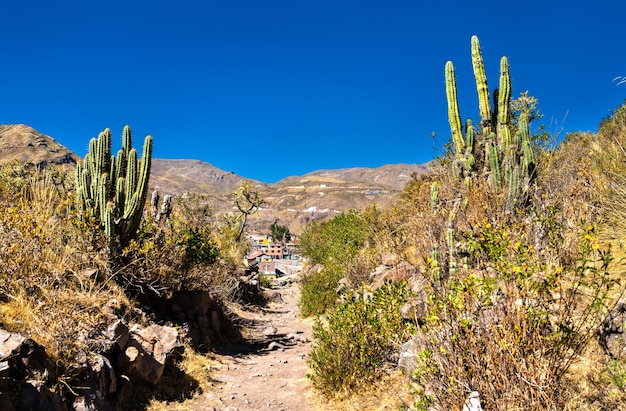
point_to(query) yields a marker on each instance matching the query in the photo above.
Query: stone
(105, 376)
(407, 358)
(216, 323)
(197, 303)
(342, 285)
(414, 309)
(34, 395)
(148, 349)
(10, 343)
(472, 403)
(118, 332)
(611, 332)
(132, 353)
(270, 330)
(388, 259)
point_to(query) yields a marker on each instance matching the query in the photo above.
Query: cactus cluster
(113, 189)
(501, 152)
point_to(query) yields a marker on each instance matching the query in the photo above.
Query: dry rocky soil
(267, 370)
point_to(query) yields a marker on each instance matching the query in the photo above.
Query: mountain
(19, 142)
(193, 176)
(293, 201)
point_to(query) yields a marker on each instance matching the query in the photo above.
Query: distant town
(273, 258)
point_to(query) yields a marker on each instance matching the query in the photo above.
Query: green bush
(355, 339)
(318, 291)
(333, 244)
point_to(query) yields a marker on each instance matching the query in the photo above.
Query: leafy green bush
(355, 339)
(333, 244)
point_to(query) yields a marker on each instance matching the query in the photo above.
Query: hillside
(19, 142)
(293, 201)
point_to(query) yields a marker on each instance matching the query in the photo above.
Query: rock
(414, 309)
(297, 336)
(388, 259)
(148, 349)
(104, 373)
(34, 395)
(270, 330)
(472, 403)
(402, 271)
(407, 358)
(342, 285)
(611, 332)
(10, 343)
(216, 321)
(118, 332)
(275, 346)
(83, 403)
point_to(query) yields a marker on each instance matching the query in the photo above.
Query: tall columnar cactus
(500, 153)
(114, 189)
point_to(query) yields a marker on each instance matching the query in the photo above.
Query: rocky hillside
(19, 142)
(293, 201)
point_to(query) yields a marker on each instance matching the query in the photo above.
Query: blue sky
(269, 89)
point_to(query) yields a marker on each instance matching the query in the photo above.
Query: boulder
(25, 369)
(147, 351)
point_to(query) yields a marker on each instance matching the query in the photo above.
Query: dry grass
(389, 393)
(50, 287)
(196, 371)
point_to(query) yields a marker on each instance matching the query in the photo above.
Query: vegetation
(77, 251)
(248, 201)
(333, 245)
(511, 252)
(114, 189)
(516, 250)
(279, 233)
(364, 331)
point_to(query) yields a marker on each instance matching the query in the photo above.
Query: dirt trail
(268, 370)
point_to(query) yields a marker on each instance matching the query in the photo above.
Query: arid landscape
(293, 201)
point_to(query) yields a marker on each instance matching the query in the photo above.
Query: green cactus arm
(470, 136)
(504, 94)
(101, 200)
(109, 223)
(103, 153)
(494, 161)
(135, 207)
(120, 195)
(131, 176)
(484, 105)
(454, 116)
(434, 193)
(127, 140)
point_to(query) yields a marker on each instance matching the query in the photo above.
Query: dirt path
(268, 370)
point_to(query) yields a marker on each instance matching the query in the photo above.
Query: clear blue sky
(274, 88)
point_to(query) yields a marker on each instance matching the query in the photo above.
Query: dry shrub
(54, 279)
(515, 296)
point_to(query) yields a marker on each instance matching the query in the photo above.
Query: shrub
(174, 254)
(333, 244)
(520, 315)
(355, 339)
(54, 276)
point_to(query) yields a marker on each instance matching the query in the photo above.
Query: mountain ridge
(293, 201)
